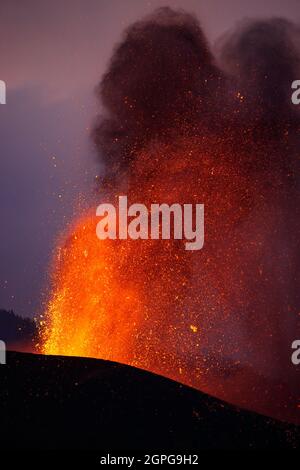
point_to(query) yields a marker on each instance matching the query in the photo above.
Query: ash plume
(263, 57)
(163, 72)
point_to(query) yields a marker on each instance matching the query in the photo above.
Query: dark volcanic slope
(68, 402)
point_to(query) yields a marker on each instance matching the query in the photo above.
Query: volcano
(54, 402)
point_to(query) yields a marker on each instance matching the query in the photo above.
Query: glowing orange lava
(191, 316)
(138, 301)
(91, 313)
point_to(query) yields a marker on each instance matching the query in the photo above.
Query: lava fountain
(217, 319)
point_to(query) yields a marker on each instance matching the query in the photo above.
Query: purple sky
(53, 53)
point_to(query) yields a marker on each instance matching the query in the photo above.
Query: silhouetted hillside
(15, 329)
(53, 402)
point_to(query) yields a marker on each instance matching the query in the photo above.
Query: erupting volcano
(181, 129)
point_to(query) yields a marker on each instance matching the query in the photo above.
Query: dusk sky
(53, 53)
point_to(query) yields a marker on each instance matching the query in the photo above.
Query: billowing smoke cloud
(263, 57)
(161, 74)
(164, 74)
